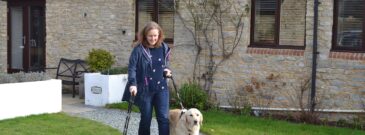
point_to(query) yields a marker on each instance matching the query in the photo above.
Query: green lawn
(215, 123)
(222, 123)
(54, 124)
(219, 123)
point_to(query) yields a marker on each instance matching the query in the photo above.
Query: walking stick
(130, 104)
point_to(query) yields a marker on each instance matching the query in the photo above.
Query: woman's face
(152, 36)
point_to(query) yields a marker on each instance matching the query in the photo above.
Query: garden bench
(70, 71)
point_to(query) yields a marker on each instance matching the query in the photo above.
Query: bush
(100, 60)
(23, 77)
(7, 78)
(193, 96)
(115, 70)
(246, 110)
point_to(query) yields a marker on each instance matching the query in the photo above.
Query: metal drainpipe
(314, 60)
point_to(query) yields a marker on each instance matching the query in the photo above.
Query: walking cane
(130, 104)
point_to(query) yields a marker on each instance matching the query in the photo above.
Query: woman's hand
(168, 72)
(133, 90)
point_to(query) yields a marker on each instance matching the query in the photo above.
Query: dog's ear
(186, 120)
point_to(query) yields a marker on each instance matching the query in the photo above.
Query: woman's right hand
(133, 90)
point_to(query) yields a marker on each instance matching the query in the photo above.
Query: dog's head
(193, 117)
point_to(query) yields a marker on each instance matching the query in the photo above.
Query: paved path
(75, 105)
(112, 117)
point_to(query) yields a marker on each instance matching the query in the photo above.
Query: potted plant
(99, 60)
(105, 85)
(24, 94)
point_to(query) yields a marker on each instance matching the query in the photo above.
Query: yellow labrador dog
(185, 122)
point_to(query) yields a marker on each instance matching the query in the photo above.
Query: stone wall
(3, 36)
(273, 77)
(266, 77)
(340, 79)
(74, 27)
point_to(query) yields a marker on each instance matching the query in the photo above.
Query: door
(26, 30)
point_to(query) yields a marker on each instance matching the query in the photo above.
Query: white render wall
(30, 98)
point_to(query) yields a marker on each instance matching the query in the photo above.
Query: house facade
(269, 67)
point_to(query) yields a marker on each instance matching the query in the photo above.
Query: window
(348, 25)
(160, 11)
(278, 23)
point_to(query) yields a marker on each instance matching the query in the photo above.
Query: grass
(223, 123)
(122, 106)
(215, 123)
(220, 123)
(54, 124)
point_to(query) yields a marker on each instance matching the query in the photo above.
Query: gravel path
(116, 119)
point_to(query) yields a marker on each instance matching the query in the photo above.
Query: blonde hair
(142, 34)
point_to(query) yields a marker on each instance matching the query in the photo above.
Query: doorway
(26, 30)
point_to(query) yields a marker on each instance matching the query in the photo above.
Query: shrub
(358, 123)
(23, 77)
(115, 70)
(7, 78)
(193, 96)
(341, 123)
(246, 110)
(100, 60)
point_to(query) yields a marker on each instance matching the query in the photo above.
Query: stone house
(270, 65)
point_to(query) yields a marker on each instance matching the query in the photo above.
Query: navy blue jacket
(139, 63)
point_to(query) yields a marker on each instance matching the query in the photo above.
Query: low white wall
(29, 98)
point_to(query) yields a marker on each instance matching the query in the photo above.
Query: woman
(146, 82)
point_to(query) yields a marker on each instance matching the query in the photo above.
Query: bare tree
(299, 97)
(217, 29)
(362, 101)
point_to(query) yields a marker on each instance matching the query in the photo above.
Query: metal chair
(70, 71)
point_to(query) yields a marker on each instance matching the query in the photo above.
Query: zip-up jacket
(139, 65)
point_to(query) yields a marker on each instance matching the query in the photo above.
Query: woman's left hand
(168, 72)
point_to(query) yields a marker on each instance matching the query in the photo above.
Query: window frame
(335, 46)
(276, 44)
(155, 17)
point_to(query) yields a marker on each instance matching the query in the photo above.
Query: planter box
(104, 89)
(29, 98)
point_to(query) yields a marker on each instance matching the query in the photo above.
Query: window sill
(347, 55)
(270, 51)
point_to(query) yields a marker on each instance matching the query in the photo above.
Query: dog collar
(182, 113)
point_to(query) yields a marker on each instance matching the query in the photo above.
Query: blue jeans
(160, 101)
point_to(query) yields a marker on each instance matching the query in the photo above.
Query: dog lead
(177, 93)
